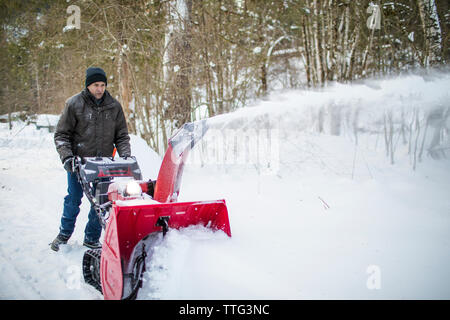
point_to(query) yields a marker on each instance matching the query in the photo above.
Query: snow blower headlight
(133, 189)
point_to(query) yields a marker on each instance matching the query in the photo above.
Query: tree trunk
(38, 88)
(349, 73)
(344, 43)
(179, 94)
(426, 37)
(331, 43)
(442, 10)
(307, 54)
(317, 45)
(125, 89)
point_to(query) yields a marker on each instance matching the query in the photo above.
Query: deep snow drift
(317, 211)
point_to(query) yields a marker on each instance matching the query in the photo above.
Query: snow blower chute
(136, 214)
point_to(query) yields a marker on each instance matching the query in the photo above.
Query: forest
(173, 61)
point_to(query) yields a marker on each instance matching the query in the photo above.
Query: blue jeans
(72, 204)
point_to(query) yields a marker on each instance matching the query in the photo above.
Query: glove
(68, 164)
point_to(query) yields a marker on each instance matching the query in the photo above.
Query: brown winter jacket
(87, 130)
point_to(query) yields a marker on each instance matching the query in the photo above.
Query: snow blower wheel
(91, 268)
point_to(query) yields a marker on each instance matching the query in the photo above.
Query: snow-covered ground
(313, 216)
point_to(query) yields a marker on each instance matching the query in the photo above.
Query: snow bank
(149, 161)
(412, 111)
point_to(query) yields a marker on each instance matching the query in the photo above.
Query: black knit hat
(95, 74)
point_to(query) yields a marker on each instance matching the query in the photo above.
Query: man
(91, 124)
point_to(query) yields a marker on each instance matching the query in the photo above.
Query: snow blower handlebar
(95, 174)
(100, 209)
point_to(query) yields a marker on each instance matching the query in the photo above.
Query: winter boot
(60, 239)
(92, 244)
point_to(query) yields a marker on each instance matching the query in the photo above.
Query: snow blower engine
(136, 214)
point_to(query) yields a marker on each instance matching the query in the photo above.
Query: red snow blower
(136, 214)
